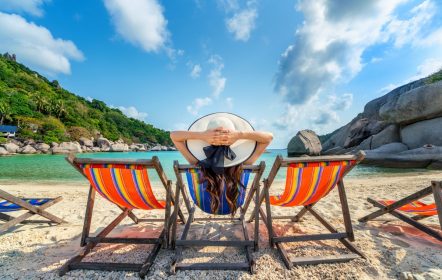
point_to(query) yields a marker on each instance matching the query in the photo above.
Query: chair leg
(12, 222)
(256, 211)
(151, 258)
(30, 207)
(175, 216)
(88, 216)
(90, 245)
(269, 213)
(437, 192)
(387, 209)
(345, 211)
(410, 221)
(167, 218)
(301, 213)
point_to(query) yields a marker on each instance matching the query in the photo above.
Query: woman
(220, 144)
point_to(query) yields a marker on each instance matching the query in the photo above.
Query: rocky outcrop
(84, 145)
(415, 105)
(421, 133)
(306, 142)
(28, 149)
(408, 117)
(67, 148)
(86, 142)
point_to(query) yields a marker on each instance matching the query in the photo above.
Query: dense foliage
(435, 77)
(45, 111)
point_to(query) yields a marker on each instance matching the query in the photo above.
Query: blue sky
(283, 65)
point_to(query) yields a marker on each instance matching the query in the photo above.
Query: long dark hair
(230, 179)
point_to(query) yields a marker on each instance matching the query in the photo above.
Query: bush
(3, 140)
(76, 132)
(53, 130)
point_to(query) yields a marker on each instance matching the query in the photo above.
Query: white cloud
(216, 80)
(139, 22)
(341, 103)
(242, 23)
(197, 104)
(132, 112)
(32, 7)
(35, 46)
(229, 103)
(329, 45)
(196, 71)
(408, 31)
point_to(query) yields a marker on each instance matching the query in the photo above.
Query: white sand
(394, 250)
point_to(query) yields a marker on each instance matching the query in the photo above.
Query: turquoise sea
(52, 169)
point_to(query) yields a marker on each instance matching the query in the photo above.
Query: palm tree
(5, 112)
(60, 108)
(41, 102)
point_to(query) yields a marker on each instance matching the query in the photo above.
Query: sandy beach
(394, 250)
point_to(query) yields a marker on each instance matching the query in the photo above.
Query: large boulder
(391, 148)
(361, 130)
(28, 149)
(42, 147)
(67, 148)
(3, 151)
(86, 142)
(119, 147)
(390, 134)
(103, 143)
(421, 133)
(306, 142)
(418, 104)
(11, 147)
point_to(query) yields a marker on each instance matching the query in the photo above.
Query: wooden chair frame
(343, 237)
(32, 210)
(178, 245)
(89, 242)
(435, 189)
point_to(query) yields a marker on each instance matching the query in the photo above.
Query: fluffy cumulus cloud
(196, 71)
(241, 17)
(329, 46)
(32, 7)
(217, 83)
(132, 112)
(140, 22)
(242, 23)
(197, 104)
(216, 79)
(35, 46)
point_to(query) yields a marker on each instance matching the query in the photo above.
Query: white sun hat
(242, 148)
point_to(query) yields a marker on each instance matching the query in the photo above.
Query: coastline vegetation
(44, 111)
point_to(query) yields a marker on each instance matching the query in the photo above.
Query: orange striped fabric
(307, 183)
(415, 207)
(125, 185)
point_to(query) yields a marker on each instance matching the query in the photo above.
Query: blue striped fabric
(202, 198)
(6, 206)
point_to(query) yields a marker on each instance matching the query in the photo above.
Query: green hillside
(45, 111)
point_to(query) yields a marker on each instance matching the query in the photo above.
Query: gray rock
(361, 130)
(391, 148)
(119, 147)
(103, 142)
(3, 152)
(156, 148)
(86, 142)
(390, 134)
(170, 148)
(54, 144)
(421, 133)
(421, 103)
(11, 148)
(42, 147)
(95, 149)
(66, 148)
(28, 149)
(306, 142)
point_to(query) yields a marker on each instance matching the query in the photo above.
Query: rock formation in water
(400, 129)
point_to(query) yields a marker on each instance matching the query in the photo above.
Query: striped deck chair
(308, 180)
(411, 205)
(126, 184)
(201, 200)
(32, 206)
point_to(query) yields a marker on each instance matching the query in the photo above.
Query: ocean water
(54, 169)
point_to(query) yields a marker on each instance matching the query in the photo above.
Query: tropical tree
(40, 102)
(5, 112)
(60, 108)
